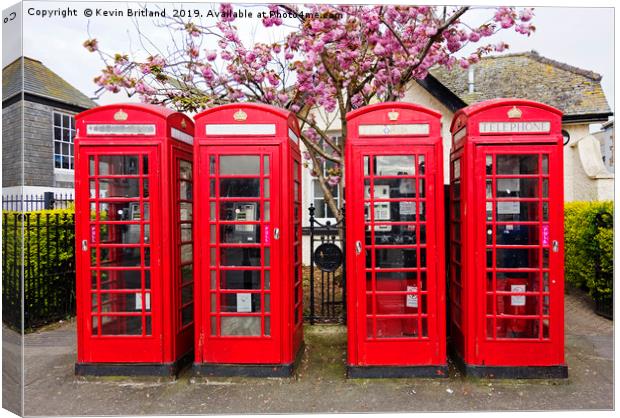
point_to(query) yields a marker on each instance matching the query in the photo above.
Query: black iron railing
(38, 267)
(326, 288)
(31, 202)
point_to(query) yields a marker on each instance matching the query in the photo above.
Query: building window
(64, 132)
(322, 208)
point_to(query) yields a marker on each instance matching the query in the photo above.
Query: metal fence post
(48, 200)
(311, 210)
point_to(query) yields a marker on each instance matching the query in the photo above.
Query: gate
(326, 284)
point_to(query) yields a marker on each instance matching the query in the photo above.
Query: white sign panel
(181, 136)
(460, 134)
(402, 129)
(508, 208)
(241, 129)
(244, 302)
(407, 208)
(120, 129)
(412, 300)
(517, 300)
(139, 301)
(514, 127)
(292, 136)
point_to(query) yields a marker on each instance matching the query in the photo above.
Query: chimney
(470, 82)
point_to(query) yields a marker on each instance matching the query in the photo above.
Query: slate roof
(528, 75)
(40, 81)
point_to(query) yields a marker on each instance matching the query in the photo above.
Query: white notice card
(412, 300)
(244, 302)
(520, 299)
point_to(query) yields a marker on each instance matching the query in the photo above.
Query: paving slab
(319, 384)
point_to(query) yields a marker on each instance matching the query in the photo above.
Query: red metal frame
(106, 226)
(395, 322)
(277, 178)
(506, 281)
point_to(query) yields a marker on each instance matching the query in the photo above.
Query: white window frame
(313, 185)
(71, 130)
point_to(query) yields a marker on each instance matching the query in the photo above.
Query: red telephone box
(395, 241)
(507, 240)
(134, 228)
(248, 291)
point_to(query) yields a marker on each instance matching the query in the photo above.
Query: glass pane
(266, 215)
(118, 165)
(240, 164)
(240, 187)
(240, 256)
(119, 187)
(212, 164)
(394, 258)
(121, 325)
(266, 166)
(185, 210)
(489, 164)
(397, 327)
(121, 279)
(185, 190)
(391, 188)
(267, 279)
(517, 258)
(117, 257)
(393, 235)
(394, 165)
(239, 211)
(145, 164)
(545, 164)
(119, 211)
(517, 328)
(119, 234)
(457, 169)
(266, 189)
(187, 273)
(527, 187)
(240, 302)
(240, 279)
(517, 164)
(516, 211)
(240, 325)
(186, 252)
(238, 234)
(396, 281)
(185, 170)
(187, 314)
(186, 232)
(187, 294)
(517, 235)
(123, 302)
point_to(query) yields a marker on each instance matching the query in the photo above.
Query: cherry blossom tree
(329, 61)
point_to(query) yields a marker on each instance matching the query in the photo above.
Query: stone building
(38, 109)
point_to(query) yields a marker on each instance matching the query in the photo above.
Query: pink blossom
(211, 55)
(526, 14)
(474, 36)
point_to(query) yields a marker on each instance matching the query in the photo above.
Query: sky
(582, 37)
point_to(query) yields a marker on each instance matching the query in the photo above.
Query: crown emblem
(514, 113)
(240, 115)
(120, 115)
(393, 115)
(183, 123)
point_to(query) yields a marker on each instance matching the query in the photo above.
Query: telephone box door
(520, 225)
(244, 277)
(397, 321)
(120, 293)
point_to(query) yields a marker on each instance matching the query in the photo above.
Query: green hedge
(589, 240)
(46, 240)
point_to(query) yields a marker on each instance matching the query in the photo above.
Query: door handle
(276, 233)
(84, 245)
(555, 246)
(358, 247)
